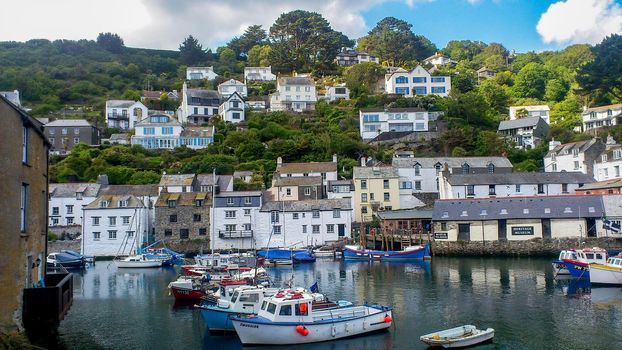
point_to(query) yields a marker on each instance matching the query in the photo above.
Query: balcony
(235, 234)
(117, 116)
(48, 304)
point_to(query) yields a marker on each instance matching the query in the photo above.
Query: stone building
(183, 216)
(65, 134)
(23, 216)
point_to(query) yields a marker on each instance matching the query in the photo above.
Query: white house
(236, 219)
(230, 86)
(124, 114)
(375, 121)
(526, 132)
(326, 170)
(608, 165)
(419, 81)
(259, 73)
(198, 73)
(339, 92)
(178, 183)
(511, 184)
(158, 132)
(232, 109)
(541, 111)
(258, 103)
(574, 156)
(597, 117)
(351, 57)
(66, 201)
(303, 223)
(341, 189)
(198, 105)
(115, 225)
(294, 94)
(438, 59)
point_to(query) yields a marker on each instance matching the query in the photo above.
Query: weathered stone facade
(182, 217)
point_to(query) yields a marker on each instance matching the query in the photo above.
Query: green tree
(604, 74)
(144, 178)
(259, 56)
(110, 42)
(530, 82)
(495, 95)
(363, 77)
(191, 52)
(555, 90)
(253, 35)
(226, 59)
(463, 49)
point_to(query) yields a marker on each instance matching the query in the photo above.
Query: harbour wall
(532, 247)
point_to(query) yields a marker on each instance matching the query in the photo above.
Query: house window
(70, 220)
(196, 217)
(385, 184)
(168, 232)
(103, 204)
(417, 170)
(364, 197)
(55, 210)
(95, 220)
(575, 153)
(438, 168)
(64, 131)
(564, 188)
(129, 234)
(470, 190)
(316, 214)
(617, 154)
(230, 214)
(184, 233)
(387, 196)
(76, 140)
(248, 200)
(443, 226)
(274, 216)
(307, 191)
(491, 190)
(277, 230)
(491, 168)
(364, 210)
(247, 212)
(363, 184)
(554, 167)
(199, 202)
(603, 158)
(371, 197)
(315, 229)
(230, 201)
(69, 209)
(236, 115)
(112, 221)
(466, 169)
(418, 185)
(96, 236)
(112, 234)
(304, 228)
(172, 203)
(616, 169)
(540, 188)
(248, 227)
(25, 133)
(576, 165)
(51, 140)
(202, 231)
(79, 196)
(123, 203)
(125, 220)
(172, 218)
(295, 216)
(336, 213)
(330, 228)
(517, 188)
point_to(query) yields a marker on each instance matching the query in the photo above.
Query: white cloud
(580, 21)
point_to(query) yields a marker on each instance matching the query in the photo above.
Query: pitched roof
(567, 148)
(184, 198)
(231, 82)
(69, 190)
(208, 179)
(27, 119)
(172, 121)
(177, 180)
(485, 69)
(201, 93)
(405, 214)
(11, 96)
(69, 123)
(391, 135)
(393, 110)
(241, 173)
(520, 178)
(119, 137)
(198, 131)
(307, 205)
(375, 172)
(531, 108)
(124, 190)
(612, 183)
(296, 81)
(602, 108)
(113, 202)
(310, 167)
(119, 103)
(297, 181)
(153, 94)
(239, 194)
(452, 162)
(519, 123)
(551, 207)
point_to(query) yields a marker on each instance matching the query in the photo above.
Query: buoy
(305, 332)
(303, 308)
(435, 336)
(300, 328)
(388, 319)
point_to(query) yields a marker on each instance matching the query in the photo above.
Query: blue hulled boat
(579, 267)
(295, 255)
(409, 253)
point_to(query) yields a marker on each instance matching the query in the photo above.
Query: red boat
(186, 288)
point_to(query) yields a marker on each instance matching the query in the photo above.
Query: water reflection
(520, 298)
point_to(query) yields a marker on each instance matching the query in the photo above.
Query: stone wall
(532, 247)
(66, 232)
(58, 245)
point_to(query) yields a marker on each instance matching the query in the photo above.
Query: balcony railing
(118, 116)
(235, 234)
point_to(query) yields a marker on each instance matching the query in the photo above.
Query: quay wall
(58, 245)
(532, 247)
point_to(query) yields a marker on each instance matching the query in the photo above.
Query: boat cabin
(615, 261)
(300, 306)
(592, 255)
(568, 255)
(247, 299)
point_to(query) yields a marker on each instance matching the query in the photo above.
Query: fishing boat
(609, 273)
(137, 261)
(189, 288)
(458, 337)
(66, 260)
(558, 265)
(289, 318)
(579, 267)
(408, 253)
(303, 257)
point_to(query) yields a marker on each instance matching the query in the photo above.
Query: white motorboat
(289, 318)
(137, 261)
(609, 273)
(458, 337)
(558, 265)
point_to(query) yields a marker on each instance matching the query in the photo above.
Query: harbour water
(519, 297)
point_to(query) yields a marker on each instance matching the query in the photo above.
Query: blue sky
(520, 25)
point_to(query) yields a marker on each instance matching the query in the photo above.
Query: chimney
(102, 179)
(334, 158)
(279, 162)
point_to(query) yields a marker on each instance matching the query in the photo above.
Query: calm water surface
(520, 298)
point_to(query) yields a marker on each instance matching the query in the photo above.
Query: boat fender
(347, 328)
(305, 332)
(300, 328)
(387, 319)
(333, 331)
(365, 325)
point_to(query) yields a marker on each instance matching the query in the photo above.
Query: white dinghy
(137, 261)
(458, 337)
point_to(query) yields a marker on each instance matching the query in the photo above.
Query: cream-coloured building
(517, 219)
(376, 189)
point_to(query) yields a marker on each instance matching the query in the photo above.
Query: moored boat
(579, 267)
(137, 261)
(607, 274)
(289, 318)
(558, 265)
(66, 260)
(408, 253)
(189, 288)
(458, 337)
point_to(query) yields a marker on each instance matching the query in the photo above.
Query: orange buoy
(305, 332)
(300, 328)
(388, 319)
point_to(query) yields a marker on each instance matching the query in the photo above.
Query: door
(464, 232)
(591, 227)
(546, 228)
(503, 229)
(341, 229)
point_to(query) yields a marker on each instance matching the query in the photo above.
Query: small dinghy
(458, 337)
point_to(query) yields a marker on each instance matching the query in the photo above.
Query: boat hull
(577, 269)
(458, 337)
(218, 319)
(186, 294)
(137, 264)
(605, 275)
(422, 253)
(560, 268)
(284, 333)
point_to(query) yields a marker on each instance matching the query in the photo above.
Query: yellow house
(376, 189)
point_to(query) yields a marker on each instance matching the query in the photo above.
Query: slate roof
(602, 108)
(242, 173)
(519, 123)
(69, 123)
(124, 190)
(119, 103)
(68, 190)
(113, 202)
(551, 207)
(208, 179)
(231, 82)
(119, 137)
(307, 205)
(520, 178)
(391, 135)
(310, 167)
(203, 94)
(172, 121)
(296, 81)
(177, 180)
(197, 131)
(567, 148)
(393, 110)
(613, 183)
(384, 172)
(298, 181)
(452, 162)
(405, 214)
(183, 199)
(332, 183)
(152, 94)
(239, 194)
